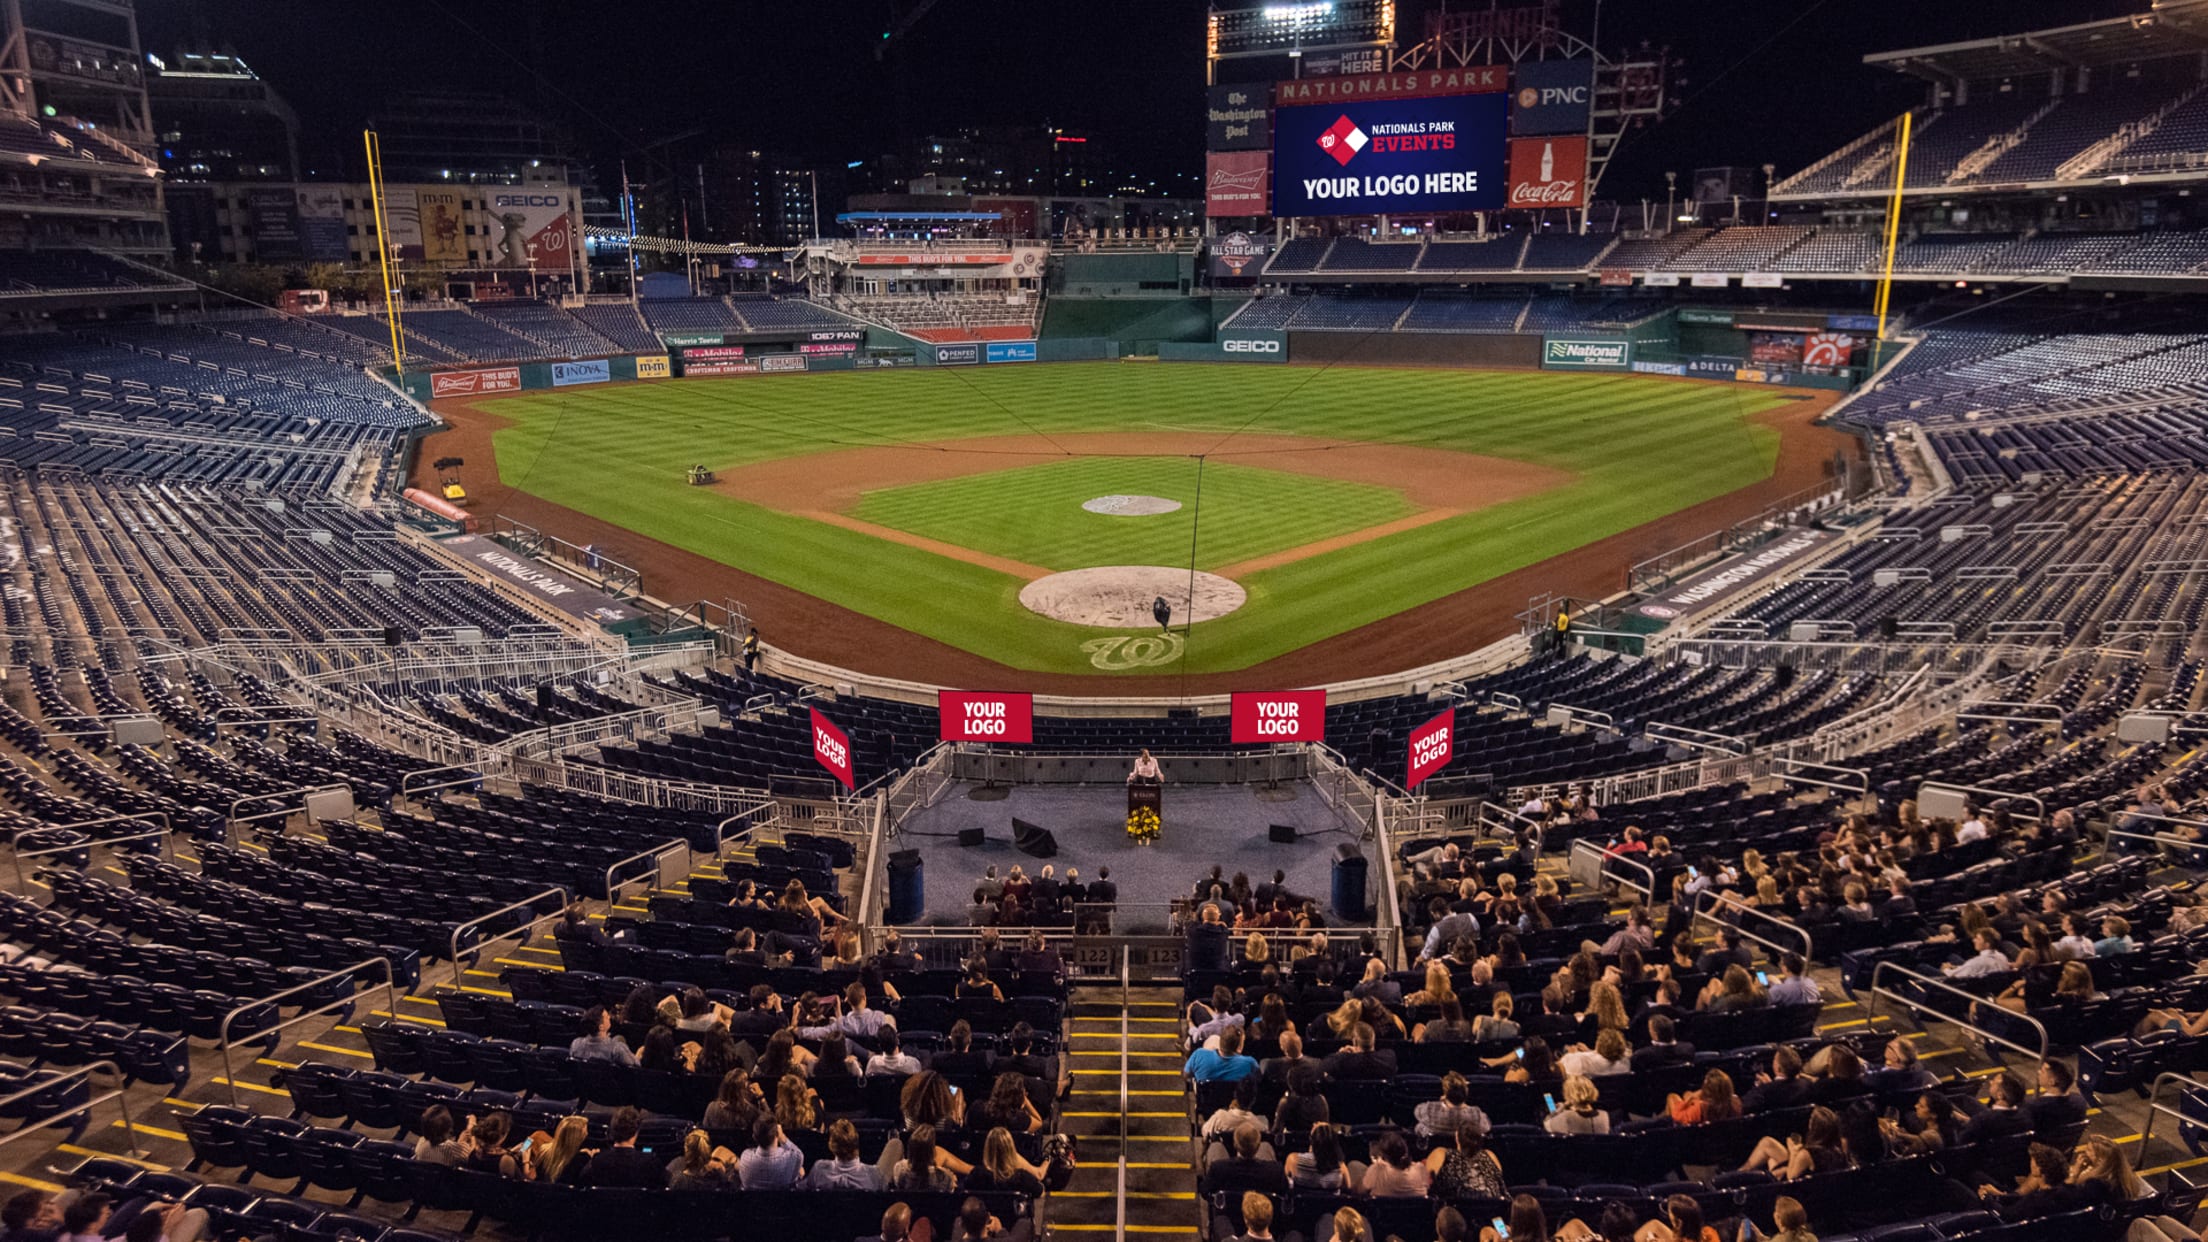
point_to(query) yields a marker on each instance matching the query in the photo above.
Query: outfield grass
(1640, 448)
(1247, 511)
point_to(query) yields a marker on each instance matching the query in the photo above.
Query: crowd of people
(1016, 899)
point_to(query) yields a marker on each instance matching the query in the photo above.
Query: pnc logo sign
(1551, 96)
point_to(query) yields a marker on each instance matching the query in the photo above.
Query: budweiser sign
(1548, 172)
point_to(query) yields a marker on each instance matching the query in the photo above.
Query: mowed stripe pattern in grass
(1641, 448)
(1034, 514)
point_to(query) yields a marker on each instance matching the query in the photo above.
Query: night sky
(801, 78)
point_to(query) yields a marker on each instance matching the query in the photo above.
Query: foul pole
(1893, 224)
(383, 248)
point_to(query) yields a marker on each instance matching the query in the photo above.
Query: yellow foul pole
(383, 248)
(1893, 224)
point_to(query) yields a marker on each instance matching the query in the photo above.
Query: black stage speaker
(1283, 834)
(969, 836)
(907, 887)
(1033, 839)
(391, 636)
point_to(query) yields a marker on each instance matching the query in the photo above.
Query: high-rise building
(77, 164)
(467, 138)
(217, 120)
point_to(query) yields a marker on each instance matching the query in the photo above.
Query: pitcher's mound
(1130, 506)
(1119, 597)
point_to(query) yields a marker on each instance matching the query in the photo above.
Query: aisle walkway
(1129, 1114)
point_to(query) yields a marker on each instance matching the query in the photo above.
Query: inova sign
(1570, 354)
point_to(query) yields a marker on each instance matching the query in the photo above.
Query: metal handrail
(1732, 902)
(528, 903)
(2159, 838)
(613, 894)
(408, 789)
(121, 1097)
(1795, 769)
(1608, 858)
(720, 830)
(232, 819)
(1701, 739)
(224, 1044)
(1876, 991)
(163, 832)
(252, 716)
(876, 864)
(2155, 1106)
(2039, 808)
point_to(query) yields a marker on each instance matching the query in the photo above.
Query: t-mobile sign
(1279, 716)
(977, 717)
(1431, 747)
(832, 748)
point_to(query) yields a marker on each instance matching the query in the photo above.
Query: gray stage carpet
(1204, 824)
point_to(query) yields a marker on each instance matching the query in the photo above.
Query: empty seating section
(1654, 253)
(1565, 252)
(1831, 250)
(47, 271)
(620, 323)
(468, 336)
(1938, 147)
(2178, 140)
(1298, 254)
(1741, 249)
(1496, 254)
(1439, 310)
(1354, 254)
(557, 333)
(936, 316)
(689, 315)
(765, 314)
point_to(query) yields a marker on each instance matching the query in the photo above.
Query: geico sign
(1250, 347)
(527, 200)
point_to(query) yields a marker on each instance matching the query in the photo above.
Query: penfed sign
(1566, 353)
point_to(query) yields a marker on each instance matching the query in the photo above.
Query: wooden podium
(1148, 795)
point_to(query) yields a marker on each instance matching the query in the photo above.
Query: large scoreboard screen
(1424, 156)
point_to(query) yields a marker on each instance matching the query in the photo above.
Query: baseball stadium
(1267, 624)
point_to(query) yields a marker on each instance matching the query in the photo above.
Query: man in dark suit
(961, 1059)
(1359, 1060)
(1251, 1167)
(896, 1225)
(1665, 1005)
(1552, 1023)
(1664, 1049)
(2058, 1106)
(1047, 888)
(762, 1019)
(1207, 941)
(992, 953)
(1038, 958)
(574, 927)
(2002, 1115)
(1102, 891)
(1274, 1070)
(1728, 952)
(1782, 1088)
(622, 1164)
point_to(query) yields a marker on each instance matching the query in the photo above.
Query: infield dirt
(1450, 626)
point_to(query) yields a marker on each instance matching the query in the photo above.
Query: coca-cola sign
(1548, 172)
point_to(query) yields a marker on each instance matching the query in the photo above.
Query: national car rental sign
(986, 717)
(1279, 716)
(1432, 745)
(832, 749)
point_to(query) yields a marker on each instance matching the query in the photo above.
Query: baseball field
(958, 504)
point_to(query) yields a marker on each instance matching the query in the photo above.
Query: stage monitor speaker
(1283, 834)
(907, 887)
(1033, 839)
(969, 836)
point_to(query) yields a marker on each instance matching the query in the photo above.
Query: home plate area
(1120, 597)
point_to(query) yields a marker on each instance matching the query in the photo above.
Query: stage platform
(1204, 824)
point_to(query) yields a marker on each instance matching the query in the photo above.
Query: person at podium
(1146, 771)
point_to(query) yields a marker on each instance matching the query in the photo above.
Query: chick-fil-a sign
(970, 716)
(1279, 716)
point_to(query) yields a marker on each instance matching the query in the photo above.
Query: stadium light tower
(1294, 27)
